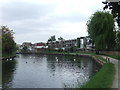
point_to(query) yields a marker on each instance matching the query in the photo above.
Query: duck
(74, 59)
(56, 59)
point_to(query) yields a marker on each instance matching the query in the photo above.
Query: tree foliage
(24, 49)
(118, 40)
(115, 10)
(52, 38)
(78, 42)
(60, 39)
(8, 43)
(73, 49)
(101, 30)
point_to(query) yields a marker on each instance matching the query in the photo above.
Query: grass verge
(91, 53)
(114, 56)
(100, 58)
(103, 78)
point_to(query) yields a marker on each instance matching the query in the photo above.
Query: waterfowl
(74, 59)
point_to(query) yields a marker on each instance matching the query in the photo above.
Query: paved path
(117, 65)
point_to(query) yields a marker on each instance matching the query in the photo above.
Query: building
(89, 45)
(28, 46)
(62, 44)
(39, 47)
(84, 44)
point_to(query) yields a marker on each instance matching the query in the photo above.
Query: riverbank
(103, 78)
(11, 56)
(117, 66)
(117, 57)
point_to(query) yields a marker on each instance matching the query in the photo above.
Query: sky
(37, 20)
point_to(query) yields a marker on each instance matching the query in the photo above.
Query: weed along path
(116, 79)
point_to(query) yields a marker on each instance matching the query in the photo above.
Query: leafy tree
(25, 49)
(78, 42)
(73, 49)
(8, 43)
(60, 38)
(53, 38)
(115, 10)
(118, 40)
(85, 43)
(101, 30)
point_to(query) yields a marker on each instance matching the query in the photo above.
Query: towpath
(116, 84)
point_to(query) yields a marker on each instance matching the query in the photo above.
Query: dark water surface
(47, 71)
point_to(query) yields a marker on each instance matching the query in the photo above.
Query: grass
(63, 52)
(114, 56)
(103, 78)
(91, 53)
(100, 58)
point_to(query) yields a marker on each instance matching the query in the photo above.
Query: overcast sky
(37, 20)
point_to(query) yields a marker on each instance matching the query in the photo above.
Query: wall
(117, 53)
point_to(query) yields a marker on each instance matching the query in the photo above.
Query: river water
(47, 71)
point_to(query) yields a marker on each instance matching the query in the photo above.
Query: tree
(53, 38)
(24, 49)
(85, 43)
(73, 48)
(8, 43)
(118, 40)
(51, 41)
(60, 39)
(115, 10)
(78, 42)
(101, 30)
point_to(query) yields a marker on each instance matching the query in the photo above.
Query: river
(47, 71)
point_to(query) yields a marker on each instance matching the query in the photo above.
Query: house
(39, 47)
(28, 46)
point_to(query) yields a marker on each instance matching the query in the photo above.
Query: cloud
(17, 11)
(37, 20)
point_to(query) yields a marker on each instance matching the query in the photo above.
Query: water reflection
(47, 71)
(70, 71)
(8, 70)
(0, 74)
